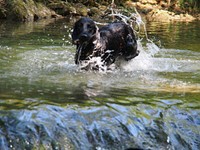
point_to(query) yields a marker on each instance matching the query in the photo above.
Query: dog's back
(119, 37)
(114, 35)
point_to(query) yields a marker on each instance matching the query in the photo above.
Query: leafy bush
(191, 5)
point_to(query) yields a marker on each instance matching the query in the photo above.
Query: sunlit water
(47, 102)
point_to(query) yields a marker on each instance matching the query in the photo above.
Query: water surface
(47, 102)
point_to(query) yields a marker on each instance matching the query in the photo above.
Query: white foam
(94, 63)
(144, 61)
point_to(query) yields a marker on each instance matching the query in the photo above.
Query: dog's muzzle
(79, 52)
(84, 37)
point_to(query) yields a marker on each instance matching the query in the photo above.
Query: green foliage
(192, 5)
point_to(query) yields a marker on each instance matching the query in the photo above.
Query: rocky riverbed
(164, 12)
(30, 10)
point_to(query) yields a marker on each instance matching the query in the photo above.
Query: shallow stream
(47, 102)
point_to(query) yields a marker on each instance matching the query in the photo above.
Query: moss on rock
(62, 7)
(81, 9)
(28, 10)
(167, 16)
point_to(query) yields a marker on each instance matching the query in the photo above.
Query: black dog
(109, 42)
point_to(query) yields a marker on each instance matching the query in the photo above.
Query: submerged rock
(112, 127)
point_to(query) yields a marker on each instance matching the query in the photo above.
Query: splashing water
(143, 61)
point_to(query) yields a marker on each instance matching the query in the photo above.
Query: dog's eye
(80, 26)
(89, 26)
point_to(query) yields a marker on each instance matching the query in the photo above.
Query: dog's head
(84, 30)
(83, 35)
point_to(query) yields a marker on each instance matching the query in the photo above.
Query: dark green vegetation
(190, 5)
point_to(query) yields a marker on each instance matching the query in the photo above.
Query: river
(47, 102)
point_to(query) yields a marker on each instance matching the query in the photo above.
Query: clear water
(47, 102)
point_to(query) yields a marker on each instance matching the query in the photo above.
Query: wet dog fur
(109, 42)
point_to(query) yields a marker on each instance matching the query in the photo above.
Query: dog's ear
(75, 35)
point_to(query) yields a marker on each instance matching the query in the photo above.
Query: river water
(47, 102)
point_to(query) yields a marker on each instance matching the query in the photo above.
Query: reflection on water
(183, 36)
(47, 102)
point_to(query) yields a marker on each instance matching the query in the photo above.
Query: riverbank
(153, 10)
(162, 11)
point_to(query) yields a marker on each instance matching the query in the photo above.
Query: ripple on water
(114, 126)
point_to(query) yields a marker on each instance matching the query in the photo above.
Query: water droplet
(168, 140)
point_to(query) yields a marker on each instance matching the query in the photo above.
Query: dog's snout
(84, 37)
